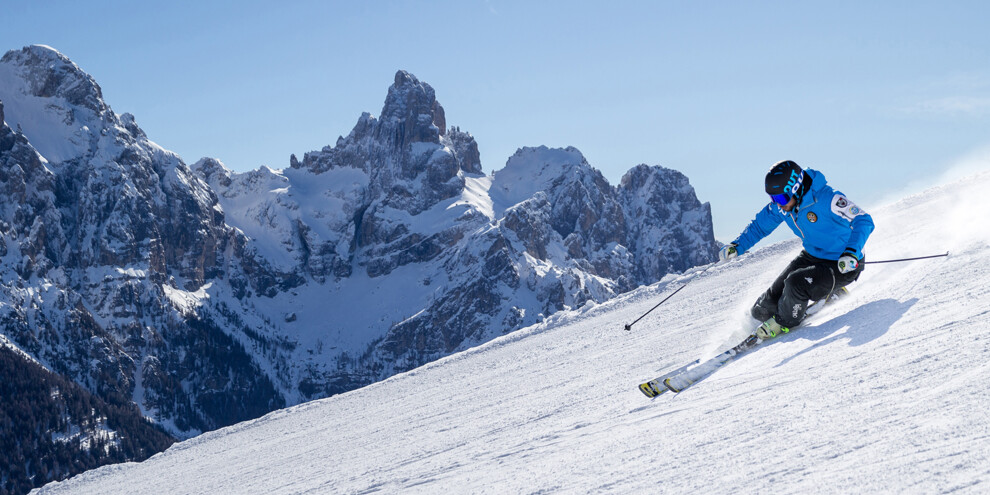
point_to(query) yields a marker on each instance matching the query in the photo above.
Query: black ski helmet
(785, 178)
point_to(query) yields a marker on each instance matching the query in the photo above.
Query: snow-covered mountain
(209, 297)
(399, 210)
(885, 391)
(105, 236)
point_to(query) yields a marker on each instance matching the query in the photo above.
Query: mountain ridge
(210, 297)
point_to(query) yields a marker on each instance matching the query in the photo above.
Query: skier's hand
(727, 252)
(848, 261)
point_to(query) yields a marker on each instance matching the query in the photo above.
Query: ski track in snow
(884, 391)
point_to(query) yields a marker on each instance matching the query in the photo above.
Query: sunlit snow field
(887, 390)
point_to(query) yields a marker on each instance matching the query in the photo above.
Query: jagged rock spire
(411, 113)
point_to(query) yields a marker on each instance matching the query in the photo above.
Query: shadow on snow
(863, 325)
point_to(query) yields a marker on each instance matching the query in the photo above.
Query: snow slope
(884, 391)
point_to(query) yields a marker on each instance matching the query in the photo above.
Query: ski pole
(628, 326)
(907, 259)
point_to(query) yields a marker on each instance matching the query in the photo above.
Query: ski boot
(770, 329)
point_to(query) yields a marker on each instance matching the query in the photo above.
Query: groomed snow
(886, 391)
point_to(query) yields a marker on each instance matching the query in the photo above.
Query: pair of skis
(687, 375)
(691, 373)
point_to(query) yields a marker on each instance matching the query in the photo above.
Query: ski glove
(727, 252)
(848, 261)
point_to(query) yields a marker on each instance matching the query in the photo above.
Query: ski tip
(650, 390)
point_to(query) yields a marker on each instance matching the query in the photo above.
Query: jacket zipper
(798, 227)
(794, 217)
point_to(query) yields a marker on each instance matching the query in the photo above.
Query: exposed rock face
(209, 296)
(103, 232)
(678, 232)
(49, 74)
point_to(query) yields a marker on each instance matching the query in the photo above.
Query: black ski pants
(806, 279)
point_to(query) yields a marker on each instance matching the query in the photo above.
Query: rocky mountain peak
(125, 239)
(411, 115)
(679, 219)
(534, 169)
(412, 160)
(583, 203)
(655, 177)
(412, 112)
(212, 171)
(51, 74)
(58, 106)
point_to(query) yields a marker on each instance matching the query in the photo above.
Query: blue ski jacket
(826, 221)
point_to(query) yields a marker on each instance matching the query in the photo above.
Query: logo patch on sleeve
(812, 217)
(844, 208)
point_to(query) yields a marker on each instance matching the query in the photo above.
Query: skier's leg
(811, 283)
(767, 303)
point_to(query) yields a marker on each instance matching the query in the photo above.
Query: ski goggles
(780, 199)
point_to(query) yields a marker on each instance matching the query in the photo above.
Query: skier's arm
(765, 222)
(860, 221)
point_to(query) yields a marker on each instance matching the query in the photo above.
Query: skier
(833, 231)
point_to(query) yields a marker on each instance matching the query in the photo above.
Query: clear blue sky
(878, 95)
